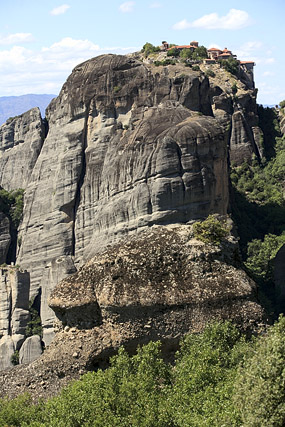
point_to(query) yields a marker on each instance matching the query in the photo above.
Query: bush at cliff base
(259, 391)
(219, 379)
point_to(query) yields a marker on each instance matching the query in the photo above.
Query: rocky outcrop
(5, 237)
(21, 139)
(158, 284)
(30, 350)
(237, 112)
(159, 274)
(129, 145)
(14, 312)
(123, 151)
(54, 272)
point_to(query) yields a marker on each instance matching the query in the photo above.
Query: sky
(42, 41)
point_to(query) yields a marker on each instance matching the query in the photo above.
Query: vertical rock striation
(21, 140)
(14, 312)
(129, 145)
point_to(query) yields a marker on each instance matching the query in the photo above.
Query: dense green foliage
(198, 54)
(268, 122)
(149, 48)
(231, 65)
(11, 204)
(211, 230)
(258, 203)
(261, 255)
(259, 391)
(15, 358)
(218, 379)
(195, 68)
(34, 326)
(210, 73)
(165, 62)
(173, 52)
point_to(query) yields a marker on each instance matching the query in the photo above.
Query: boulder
(30, 350)
(6, 352)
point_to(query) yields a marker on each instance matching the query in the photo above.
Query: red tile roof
(183, 47)
(214, 49)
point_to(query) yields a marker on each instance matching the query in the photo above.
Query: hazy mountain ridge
(11, 106)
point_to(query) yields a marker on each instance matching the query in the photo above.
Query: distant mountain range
(11, 106)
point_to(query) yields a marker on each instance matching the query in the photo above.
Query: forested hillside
(258, 203)
(219, 378)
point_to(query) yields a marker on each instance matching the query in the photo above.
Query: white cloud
(234, 20)
(73, 45)
(45, 70)
(128, 6)
(182, 25)
(155, 5)
(16, 38)
(60, 9)
(255, 51)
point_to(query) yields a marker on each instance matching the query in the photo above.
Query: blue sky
(41, 41)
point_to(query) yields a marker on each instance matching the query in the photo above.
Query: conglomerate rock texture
(126, 145)
(158, 284)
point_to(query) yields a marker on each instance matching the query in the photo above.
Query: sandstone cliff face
(123, 151)
(129, 145)
(158, 284)
(21, 139)
(14, 314)
(5, 237)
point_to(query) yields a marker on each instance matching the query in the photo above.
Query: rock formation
(14, 312)
(21, 140)
(5, 237)
(158, 284)
(125, 146)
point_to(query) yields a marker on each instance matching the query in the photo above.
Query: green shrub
(203, 377)
(34, 326)
(200, 52)
(149, 48)
(231, 65)
(234, 88)
(211, 230)
(12, 204)
(165, 62)
(173, 52)
(218, 379)
(210, 73)
(186, 54)
(195, 68)
(117, 89)
(15, 358)
(20, 412)
(259, 392)
(260, 255)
